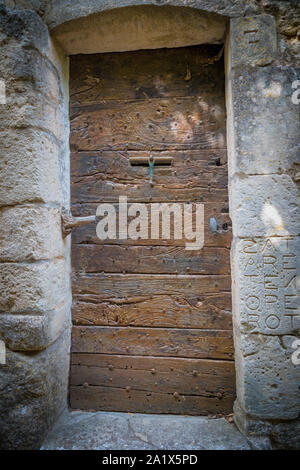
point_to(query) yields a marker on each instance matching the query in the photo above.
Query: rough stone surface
(263, 141)
(30, 233)
(34, 121)
(33, 391)
(286, 435)
(26, 70)
(34, 171)
(26, 108)
(287, 16)
(30, 169)
(264, 206)
(36, 5)
(253, 40)
(268, 434)
(120, 431)
(285, 12)
(25, 27)
(145, 27)
(267, 380)
(28, 46)
(32, 288)
(266, 121)
(61, 11)
(33, 332)
(267, 295)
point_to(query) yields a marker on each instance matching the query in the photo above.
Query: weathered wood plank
(112, 399)
(193, 176)
(207, 311)
(167, 375)
(219, 211)
(174, 377)
(150, 260)
(99, 191)
(170, 123)
(107, 286)
(146, 74)
(199, 165)
(201, 344)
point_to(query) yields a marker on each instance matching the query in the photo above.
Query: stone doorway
(262, 72)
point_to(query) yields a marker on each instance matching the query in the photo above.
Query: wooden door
(152, 326)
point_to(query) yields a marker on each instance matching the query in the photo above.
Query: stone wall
(34, 259)
(263, 138)
(286, 13)
(263, 60)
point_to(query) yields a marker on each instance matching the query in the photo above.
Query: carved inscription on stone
(269, 295)
(253, 40)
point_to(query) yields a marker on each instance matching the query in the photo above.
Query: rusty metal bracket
(68, 222)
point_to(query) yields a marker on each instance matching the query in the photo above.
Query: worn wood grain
(112, 399)
(216, 344)
(146, 74)
(150, 260)
(219, 211)
(167, 375)
(106, 286)
(206, 311)
(193, 176)
(171, 123)
(115, 166)
(99, 191)
(175, 377)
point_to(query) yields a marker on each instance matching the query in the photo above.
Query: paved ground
(80, 430)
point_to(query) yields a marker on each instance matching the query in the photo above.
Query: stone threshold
(80, 430)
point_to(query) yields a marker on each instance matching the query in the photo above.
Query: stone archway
(35, 269)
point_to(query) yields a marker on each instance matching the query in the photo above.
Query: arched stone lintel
(59, 12)
(140, 27)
